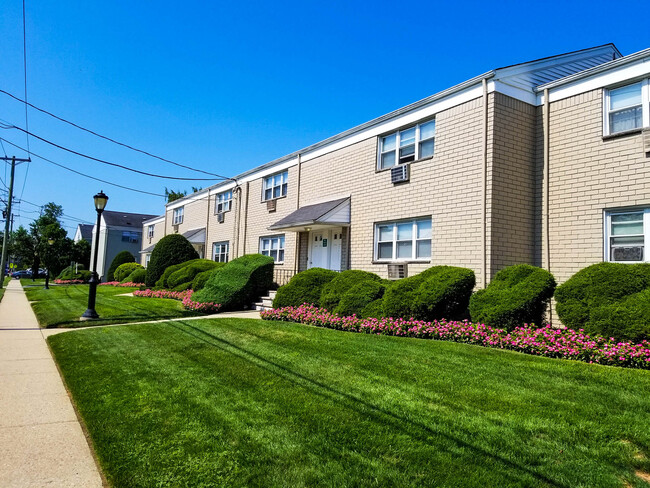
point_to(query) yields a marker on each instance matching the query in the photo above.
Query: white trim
(178, 215)
(607, 233)
(281, 239)
(155, 220)
(645, 105)
(414, 240)
(284, 180)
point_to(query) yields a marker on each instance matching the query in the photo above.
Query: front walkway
(41, 440)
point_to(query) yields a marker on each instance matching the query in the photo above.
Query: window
(407, 145)
(275, 186)
(627, 107)
(220, 252)
(129, 236)
(408, 240)
(627, 233)
(178, 216)
(150, 231)
(223, 202)
(274, 247)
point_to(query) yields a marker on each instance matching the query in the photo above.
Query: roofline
(342, 135)
(609, 44)
(630, 58)
(159, 217)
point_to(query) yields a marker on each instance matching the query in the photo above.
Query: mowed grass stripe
(239, 402)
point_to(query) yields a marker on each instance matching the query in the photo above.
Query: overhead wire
(61, 119)
(25, 78)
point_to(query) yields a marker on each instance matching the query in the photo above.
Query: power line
(25, 78)
(85, 175)
(112, 140)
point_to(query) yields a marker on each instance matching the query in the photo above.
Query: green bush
(70, 274)
(444, 293)
(121, 258)
(334, 290)
(124, 270)
(609, 299)
(516, 296)
(183, 286)
(239, 283)
(359, 296)
(305, 287)
(201, 279)
(373, 309)
(138, 276)
(190, 269)
(171, 249)
(84, 275)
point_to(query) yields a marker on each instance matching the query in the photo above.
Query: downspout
(484, 181)
(545, 197)
(297, 247)
(237, 219)
(207, 230)
(248, 184)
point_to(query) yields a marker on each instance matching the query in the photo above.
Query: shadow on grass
(403, 424)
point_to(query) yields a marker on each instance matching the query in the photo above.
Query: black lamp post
(48, 255)
(90, 314)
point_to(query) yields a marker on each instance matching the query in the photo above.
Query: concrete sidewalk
(41, 441)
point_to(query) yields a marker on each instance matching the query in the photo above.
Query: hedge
(304, 287)
(374, 309)
(333, 292)
(517, 295)
(612, 299)
(121, 258)
(201, 279)
(70, 274)
(239, 283)
(138, 276)
(124, 270)
(444, 293)
(171, 249)
(190, 269)
(359, 296)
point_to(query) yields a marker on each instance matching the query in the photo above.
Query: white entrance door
(325, 249)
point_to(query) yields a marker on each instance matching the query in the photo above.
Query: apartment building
(543, 162)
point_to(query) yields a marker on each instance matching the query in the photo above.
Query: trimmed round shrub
(186, 274)
(305, 287)
(239, 283)
(171, 249)
(70, 274)
(138, 275)
(121, 258)
(201, 279)
(444, 293)
(610, 299)
(373, 309)
(124, 270)
(333, 291)
(359, 296)
(516, 296)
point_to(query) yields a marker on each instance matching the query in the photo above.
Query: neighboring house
(85, 232)
(119, 231)
(545, 162)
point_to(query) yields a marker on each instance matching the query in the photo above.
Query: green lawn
(235, 402)
(2, 290)
(62, 305)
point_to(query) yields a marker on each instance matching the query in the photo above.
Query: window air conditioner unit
(270, 205)
(220, 218)
(397, 271)
(399, 174)
(175, 227)
(646, 141)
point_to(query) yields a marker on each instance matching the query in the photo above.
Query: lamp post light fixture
(90, 314)
(48, 263)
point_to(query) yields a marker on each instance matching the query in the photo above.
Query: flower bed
(117, 283)
(184, 296)
(544, 341)
(69, 282)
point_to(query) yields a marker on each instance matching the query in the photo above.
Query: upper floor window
(150, 231)
(627, 233)
(627, 107)
(178, 216)
(130, 236)
(274, 247)
(407, 145)
(220, 251)
(275, 186)
(405, 240)
(223, 202)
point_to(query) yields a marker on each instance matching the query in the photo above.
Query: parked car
(23, 273)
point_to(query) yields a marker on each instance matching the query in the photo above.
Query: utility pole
(5, 239)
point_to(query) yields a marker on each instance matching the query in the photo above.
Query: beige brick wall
(226, 230)
(195, 216)
(511, 183)
(588, 174)
(448, 187)
(158, 233)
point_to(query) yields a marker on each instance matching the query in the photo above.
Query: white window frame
(280, 247)
(147, 258)
(418, 142)
(645, 106)
(178, 215)
(223, 202)
(221, 251)
(607, 248)
(394, 240)
(267, 184)
(150, 231)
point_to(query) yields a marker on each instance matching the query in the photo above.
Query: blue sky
(227, 86)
